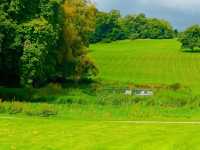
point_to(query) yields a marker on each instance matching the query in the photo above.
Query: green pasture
(147, 62)
(53, 134)
(87, 117)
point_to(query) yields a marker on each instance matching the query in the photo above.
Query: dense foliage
(112, 26)
(190, 38)
(43, 40)
(107, 27)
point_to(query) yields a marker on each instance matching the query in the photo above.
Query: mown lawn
(53, 134)
(147, 62)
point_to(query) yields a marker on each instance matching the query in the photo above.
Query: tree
(78, 22)
(158, 29)
(112, 26)
(190, 38)
(107, 27)
(42, 40)
(139, 26)
(9, 56)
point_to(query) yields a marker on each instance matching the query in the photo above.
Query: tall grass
(173, 95)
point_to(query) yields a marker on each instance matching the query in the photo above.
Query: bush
(3, 108)
(107, 40)
(190, 38)
(44, 110)
(168, 98)
(134, 36)
(16, 107)
(72, 100)
(119, 99)
(175, 87)
(16, 93)
(47, 110)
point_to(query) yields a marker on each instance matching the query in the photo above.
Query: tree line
(111, 26)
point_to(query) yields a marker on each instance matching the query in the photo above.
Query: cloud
(181, 13)
(179, 5)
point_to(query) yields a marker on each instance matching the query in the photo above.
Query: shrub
(95, 87)
(106, 40)
(134, 36)
(16, 107)
(2, 107)
(16, 93)
(44, 110)
(47, 110)
(175, 87)
(118, 99)
(168, 98)
(190, 38)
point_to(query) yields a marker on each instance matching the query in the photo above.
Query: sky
(181, 13)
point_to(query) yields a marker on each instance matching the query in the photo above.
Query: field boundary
(132, 122)
(9, 117)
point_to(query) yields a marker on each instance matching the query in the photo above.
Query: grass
(147, 62)
(101, 113)
(52, 134)
(78, 117)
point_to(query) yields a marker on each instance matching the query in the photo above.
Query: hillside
(147, 62)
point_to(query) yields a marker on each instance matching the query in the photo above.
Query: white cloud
(189, 5)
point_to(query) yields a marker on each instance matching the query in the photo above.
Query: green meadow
(147, 62)
(75, 77)
(56, 134)
(87, 117)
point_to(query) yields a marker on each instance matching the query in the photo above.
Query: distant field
(52, 134)
(147, 62)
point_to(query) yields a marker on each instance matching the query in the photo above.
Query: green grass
(147, 62)
(77, 117)
(101, 113)
(52, 134)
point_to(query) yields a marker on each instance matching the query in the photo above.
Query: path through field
(131, 122)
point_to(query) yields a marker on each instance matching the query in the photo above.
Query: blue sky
(181, 13)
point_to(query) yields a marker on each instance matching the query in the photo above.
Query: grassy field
(87, 117)
(51, 134)
(98, 112)
(147, 62)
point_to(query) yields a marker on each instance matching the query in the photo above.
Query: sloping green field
(147, 62)
(51, 134)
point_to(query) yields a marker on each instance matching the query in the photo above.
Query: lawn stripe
(157, 122)
(132, 122)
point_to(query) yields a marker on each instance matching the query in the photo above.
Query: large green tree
(190, 38)
(78, 23)
(42, 40)
(107, 27)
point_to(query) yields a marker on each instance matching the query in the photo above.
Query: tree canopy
(43, 40)
(112, 26)
(190, 38)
